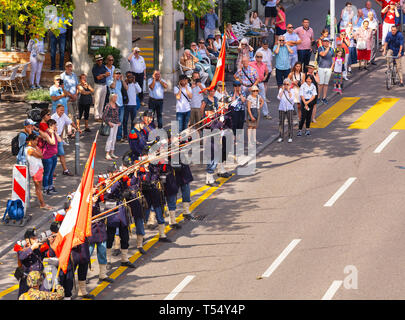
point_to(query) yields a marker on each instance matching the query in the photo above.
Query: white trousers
(385, 29)
(36, 69)
(110, 144)
(207, 32)
(100, 90)
(262, 93)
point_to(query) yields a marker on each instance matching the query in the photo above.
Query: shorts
(270, 12)
(61, 151)
(280, 32)
(39, 175)
(324, 75)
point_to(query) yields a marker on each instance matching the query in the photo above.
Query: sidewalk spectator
(254, 103)
(337, 67)
(218, 40)
(390, 12)
(255, 21)
(49, 147)
(364, 37)
(196, 87)
(345, 43)
(34, 160)
(324, 34)
(219, 93)
(304, 49)
(111, 117)
(183, 98)
(22, 137)
(368, 8)
(244, 51)
(352, 48)
(262, 71)
(100, 74)
(110, 67)
(280, 22)
(358, 20)
(58, 94)
(308, 95)
(230, 36)
(296, 78)
(347, 15)
(202, 53)
(247, 75)
(117, 87)
(238, 105)
(285, 109)
(85, 100)
(373, 24)
(267, 59)
(292, 40)
(210, 23)
(270, 12)
(62, 120)
(327, 25)
(59, 40)
(282, 53)
(212, 49)
(37, 56)
(70, 83)
(43, 125)
(130, 109)
(190, 63)
(138, 67)
(157, 87)
(312, 72)
(383, 4)
(326, 55)
(394, 46)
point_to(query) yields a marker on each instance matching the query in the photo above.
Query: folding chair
(10, 80)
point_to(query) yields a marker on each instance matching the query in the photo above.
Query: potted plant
(38, 98)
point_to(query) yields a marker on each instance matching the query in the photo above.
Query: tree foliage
(29, 15)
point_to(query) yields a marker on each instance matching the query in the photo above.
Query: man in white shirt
(196, 87)
(183, 98)
(292, 39)
(70, 83)
(267, 59)
(133, 89)
(62, 120)
(157, 88)
(138, 67)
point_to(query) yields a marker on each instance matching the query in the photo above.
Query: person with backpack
(18, 143)
(34, 160)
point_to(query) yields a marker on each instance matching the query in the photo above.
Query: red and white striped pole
(20, 185)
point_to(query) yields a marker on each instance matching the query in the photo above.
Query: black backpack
(15, 146)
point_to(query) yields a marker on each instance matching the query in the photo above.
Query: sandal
(47, 207)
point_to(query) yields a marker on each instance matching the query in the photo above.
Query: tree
(34, 16)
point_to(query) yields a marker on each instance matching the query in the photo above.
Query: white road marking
(332, 290)
(180, 287)
(385, 142)
(338, 193)
(280, 258)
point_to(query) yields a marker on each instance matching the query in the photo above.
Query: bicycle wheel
(388, 78)
(395, 75)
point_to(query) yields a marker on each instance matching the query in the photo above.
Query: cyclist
(394, 46)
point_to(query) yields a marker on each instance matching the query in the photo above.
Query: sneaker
(401, 84)
(307, 133)
(114, 156)
(68, 173)
(346, 78)
(38, 87)
(325, 101)
(280, 140)
(65, 143)
(87, 130)
(268, 117)
(32, 87)
(52, 190)
(108, 157)
(299, 134)
(289, 140)
(320, 101)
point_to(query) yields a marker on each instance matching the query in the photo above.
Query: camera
(42, 237)
(60, 82)
(197, 80)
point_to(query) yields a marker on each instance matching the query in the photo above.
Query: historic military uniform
(119, 220)
(137, 141)
(168, 179)
(183, 178)
(225, 122)
(34, 280)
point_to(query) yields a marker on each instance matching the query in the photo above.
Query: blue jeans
(61, 40)
(121, 116)
(101, 251)
(49, 168)
(185, 192)
(129, 111)
(159, 214)
(183, 119)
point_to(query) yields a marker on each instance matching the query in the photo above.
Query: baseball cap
(28, 122)
(116, 70)
(326, 39)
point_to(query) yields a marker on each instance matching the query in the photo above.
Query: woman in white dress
(296, 78)
(37, 57)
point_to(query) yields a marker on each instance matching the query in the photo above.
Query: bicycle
(392, 75)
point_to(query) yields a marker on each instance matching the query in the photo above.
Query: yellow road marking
(400, 125)
(374, 113)
(146, 49)
(7, 291)
(333, 112)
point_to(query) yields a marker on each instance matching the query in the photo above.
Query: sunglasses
(201, 42)
(255, 90)
(290, 27)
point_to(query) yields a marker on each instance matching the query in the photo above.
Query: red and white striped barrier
(20, 184)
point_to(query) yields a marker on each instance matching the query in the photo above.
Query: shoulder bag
(104, 127)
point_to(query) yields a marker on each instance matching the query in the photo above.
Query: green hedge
(116, 53)
(234, 11)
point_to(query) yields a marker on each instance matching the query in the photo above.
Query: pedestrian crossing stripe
(400, 125)
(334, 112)
(374, 113)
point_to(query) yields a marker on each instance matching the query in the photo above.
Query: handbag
(40, 57)
(104, 129)
(361, 44)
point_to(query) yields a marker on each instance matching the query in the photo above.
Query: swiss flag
(220, 69)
